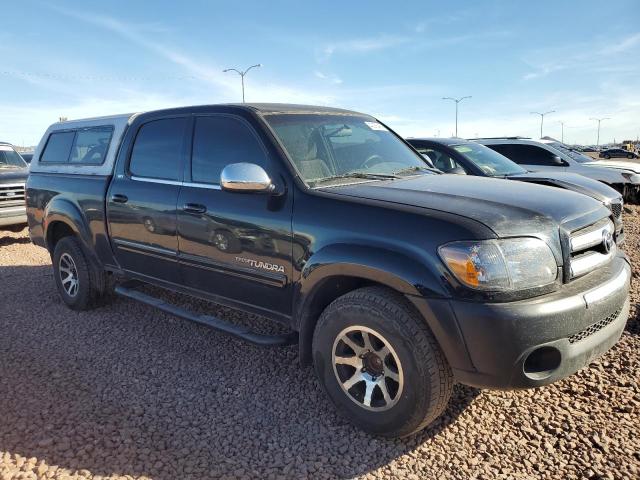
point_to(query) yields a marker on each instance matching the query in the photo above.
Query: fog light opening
(541, 363)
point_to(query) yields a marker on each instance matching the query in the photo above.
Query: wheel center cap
(372, 363)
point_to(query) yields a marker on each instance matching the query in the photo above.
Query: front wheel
(380, 364)
(630, 156)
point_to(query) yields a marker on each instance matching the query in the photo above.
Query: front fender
(407, 275)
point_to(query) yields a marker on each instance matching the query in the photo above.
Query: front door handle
(194, 208)
(119, 198)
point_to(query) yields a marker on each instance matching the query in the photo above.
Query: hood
(572, 181)
(629, 165)
(11, 175)
(507, 208)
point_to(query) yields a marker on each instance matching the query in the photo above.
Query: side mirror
(245, 178)
(558, 161)
(458, 170)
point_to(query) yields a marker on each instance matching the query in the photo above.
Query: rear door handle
(194, 208)
(119, 198)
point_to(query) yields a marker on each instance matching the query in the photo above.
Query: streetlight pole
(242, 74)
(542, 118)
(562, 137)
(457, 100)
(599, 120)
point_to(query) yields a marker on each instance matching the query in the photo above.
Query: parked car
(624, 165)
(542, 156)
(395, 282)
(455, 155)
(617, 153)
(13, 174)
(27, 156)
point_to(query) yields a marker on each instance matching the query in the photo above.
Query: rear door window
(58, 147)
(158, 149)
(526, 154)
(90, 146)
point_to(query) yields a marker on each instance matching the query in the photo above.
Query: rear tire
(406, 388)
(81, 284)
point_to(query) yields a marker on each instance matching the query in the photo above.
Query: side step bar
(237, 331)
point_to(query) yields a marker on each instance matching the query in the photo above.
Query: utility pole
(599, 120)
(542, 118)
(242, 74)
(457, 100)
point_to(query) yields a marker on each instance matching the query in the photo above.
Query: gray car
(538, 156)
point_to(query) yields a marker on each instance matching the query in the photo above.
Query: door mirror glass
(245, 177)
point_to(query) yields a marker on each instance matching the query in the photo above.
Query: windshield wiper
(368, 176)
(415, 168)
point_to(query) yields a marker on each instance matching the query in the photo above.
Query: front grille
(616, 209)
(591, 247)
(11, 195)
(596, 327)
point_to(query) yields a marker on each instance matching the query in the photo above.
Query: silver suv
(538, 156)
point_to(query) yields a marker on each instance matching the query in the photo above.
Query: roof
(502, 138)
(441, 141)
(293, 108)
(82, 121)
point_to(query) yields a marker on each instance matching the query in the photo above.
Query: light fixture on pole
(457, 100)
(542, 118)
(599, 120)
(242, 74)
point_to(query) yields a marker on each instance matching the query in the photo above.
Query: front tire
(81, 284)
(380, 364)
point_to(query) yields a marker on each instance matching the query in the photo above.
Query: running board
(243, 333)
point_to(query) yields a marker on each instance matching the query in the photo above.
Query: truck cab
(393, 281)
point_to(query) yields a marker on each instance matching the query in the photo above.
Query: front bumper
(13, 216)
(533, 342)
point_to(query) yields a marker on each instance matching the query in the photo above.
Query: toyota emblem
(607, 240)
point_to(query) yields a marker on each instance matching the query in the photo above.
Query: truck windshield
(9, 158)
(335, 148)
(489, 161)
(576, 155)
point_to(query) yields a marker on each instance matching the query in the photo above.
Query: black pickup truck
(394, 281)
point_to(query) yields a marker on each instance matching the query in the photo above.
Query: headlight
(501, 265)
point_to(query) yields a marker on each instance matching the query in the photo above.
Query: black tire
(607, 156)
(428, 381)
(94, 287)
(630, 156)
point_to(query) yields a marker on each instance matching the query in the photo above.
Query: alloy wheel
(367, 368)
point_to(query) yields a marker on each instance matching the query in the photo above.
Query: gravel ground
(128, 392)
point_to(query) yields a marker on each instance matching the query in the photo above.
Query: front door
(234, 246)
(142, 202)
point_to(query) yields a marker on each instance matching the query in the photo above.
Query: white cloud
(329, 77)
(361, 45)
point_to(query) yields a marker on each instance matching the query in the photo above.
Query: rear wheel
(81, 284)
(380, 364)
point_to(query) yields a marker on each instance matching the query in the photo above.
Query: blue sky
(395, 60)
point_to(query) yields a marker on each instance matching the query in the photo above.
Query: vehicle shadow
(126, 390)
(10, 240)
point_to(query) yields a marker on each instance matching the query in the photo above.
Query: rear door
(531, 157)
(234, 246)
(142, 201)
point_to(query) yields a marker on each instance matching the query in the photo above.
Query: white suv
(540, 156)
